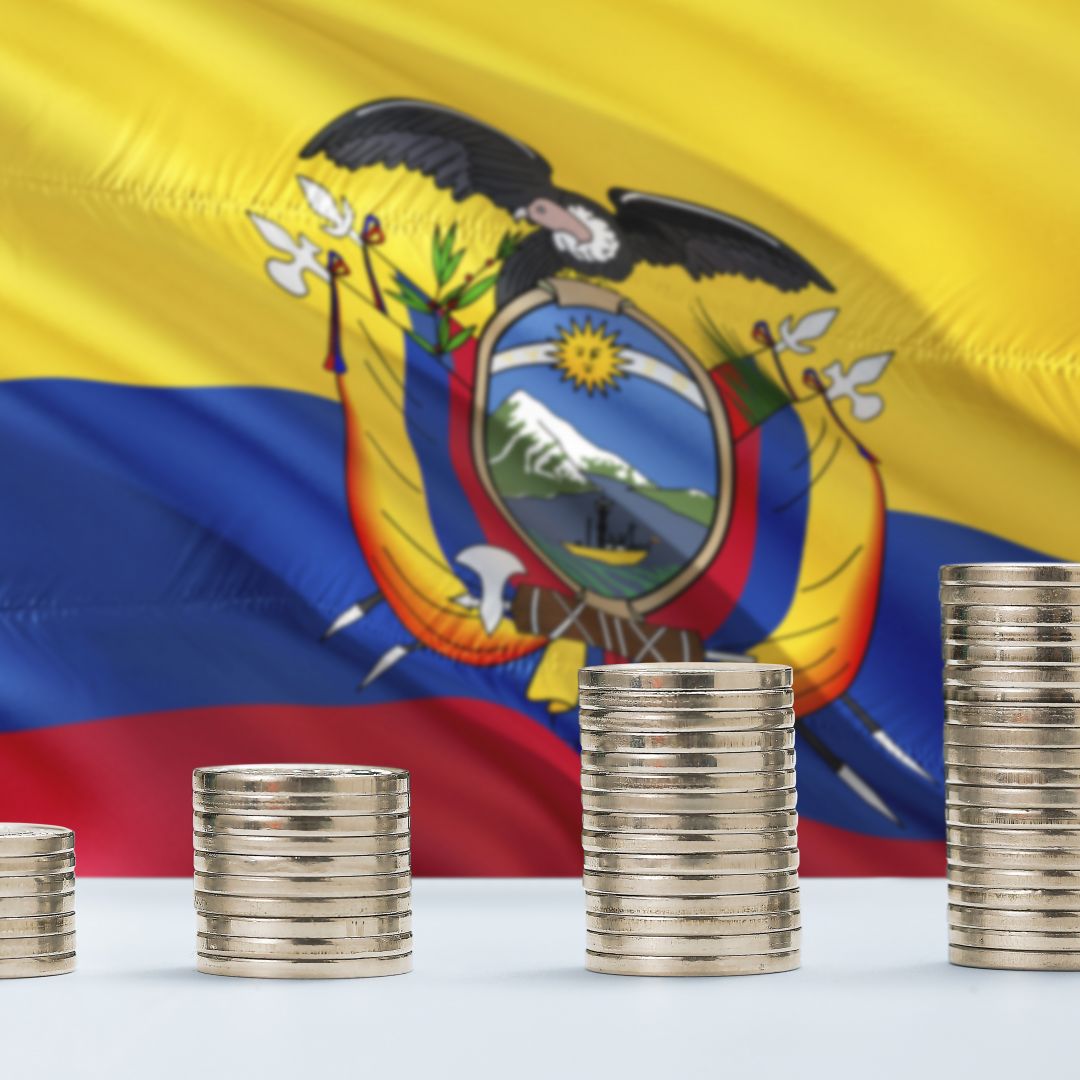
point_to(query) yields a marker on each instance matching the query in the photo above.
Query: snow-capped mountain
(531, 451)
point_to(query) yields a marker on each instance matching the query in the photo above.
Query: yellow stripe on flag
(924, 155)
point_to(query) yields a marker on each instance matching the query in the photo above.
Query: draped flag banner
(370, 368)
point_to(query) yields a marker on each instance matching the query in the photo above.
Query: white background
(500, 990)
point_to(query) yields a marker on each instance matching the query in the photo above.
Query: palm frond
(724, 341)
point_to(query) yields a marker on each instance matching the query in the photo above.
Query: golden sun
(589, 356)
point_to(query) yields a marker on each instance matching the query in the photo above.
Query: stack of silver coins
(1012, 764)
(688, 796)
(37, 900)
(302, 871)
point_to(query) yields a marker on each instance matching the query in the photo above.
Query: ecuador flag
(367, 369)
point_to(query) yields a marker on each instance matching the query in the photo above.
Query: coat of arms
(539, 473)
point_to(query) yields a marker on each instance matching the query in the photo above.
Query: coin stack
(1012, 764)
(302, 871)
(37, 900)
(688, 795)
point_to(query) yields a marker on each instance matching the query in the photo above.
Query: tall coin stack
(37, 900)
(688, 795)
(1012, 764)
(302, 871)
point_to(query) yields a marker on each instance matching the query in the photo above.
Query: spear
(340, 218)
(883, 738)
(847, 775)
(371, 234)
(793, 338)
(844, 772)
(763, 336)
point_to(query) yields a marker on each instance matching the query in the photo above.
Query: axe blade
(494, 566)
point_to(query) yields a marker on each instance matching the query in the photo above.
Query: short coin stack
(688, 795)
(37, 900)
(302, 871)
(1012, 764)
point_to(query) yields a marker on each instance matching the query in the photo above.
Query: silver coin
(686, 843)
(1045, 739)
(56, 903)
(636, 742)
(695, 803)
(1011, 595)
(1014, 960)
(251, 948)
(1020, 940)
(1044, 694)
(679, 701)
(1014, 879)
(303, 866)
(347, 927)
(979, 918)
(1007, 798)
(722, 945)
(35, 865)
(685, 676)
(311, 846)
(336, 907)
(997, 858)
(728, 862)
(366, 967)
(37, 885)
(36, 925)
(21, 838)
(690, 762)
(301, 806)
(695, 907)
(1013, 839)
(1010, 898)
(1013, 757)
(706, 926)
(299, 888)
(302, 779)
(683, 783)
(19, 948)
(677, 722)
(1013, 817)
(1011, 676)
(1012, 714)
(1011, 655)
(1009, 573)
(957, 633)
(1010, 614)
(986, 776)
(33, 967)
(701, 885)
(660, 824)
(761, 964)
(278, 825)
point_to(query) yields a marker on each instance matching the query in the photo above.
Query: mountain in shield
(531, 451)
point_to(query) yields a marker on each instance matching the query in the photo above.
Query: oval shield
(604, 443)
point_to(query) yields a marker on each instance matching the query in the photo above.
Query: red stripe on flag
(826, 851)
(494, 794)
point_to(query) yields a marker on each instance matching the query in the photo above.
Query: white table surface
(500, 989)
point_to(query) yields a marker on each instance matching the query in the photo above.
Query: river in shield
(611, 519)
